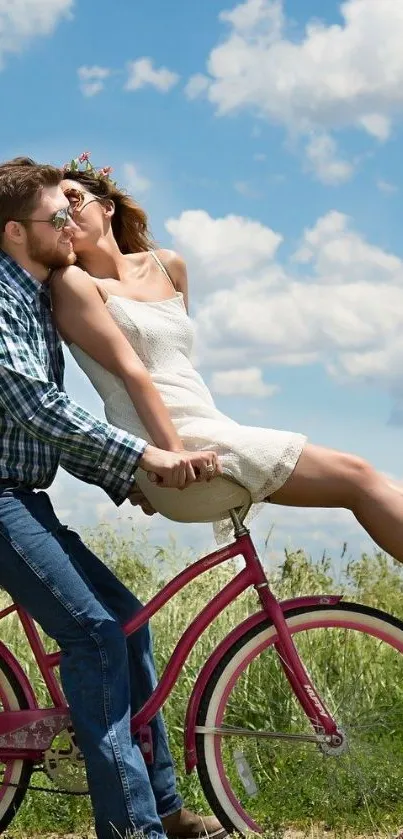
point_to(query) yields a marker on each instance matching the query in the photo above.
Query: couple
(76, 261)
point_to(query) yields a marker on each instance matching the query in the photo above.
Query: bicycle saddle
(199, 502)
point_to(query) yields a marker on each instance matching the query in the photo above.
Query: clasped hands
(175, 470)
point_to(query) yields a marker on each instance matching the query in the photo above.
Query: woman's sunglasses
(58, 220)
(76, 199)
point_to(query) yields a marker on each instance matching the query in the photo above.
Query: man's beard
(46, 256)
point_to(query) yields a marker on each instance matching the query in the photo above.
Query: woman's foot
(187, 825)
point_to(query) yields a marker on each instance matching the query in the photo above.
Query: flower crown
(82, 163)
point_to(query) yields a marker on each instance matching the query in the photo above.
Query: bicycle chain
(43, 789)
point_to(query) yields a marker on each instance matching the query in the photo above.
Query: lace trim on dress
(224, 529)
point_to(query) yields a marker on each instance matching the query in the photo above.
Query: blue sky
(264, 140)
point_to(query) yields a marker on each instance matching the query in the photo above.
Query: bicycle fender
(20, 675)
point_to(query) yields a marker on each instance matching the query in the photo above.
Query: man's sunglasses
(58, 220)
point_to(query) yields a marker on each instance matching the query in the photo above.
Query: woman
(124, 314)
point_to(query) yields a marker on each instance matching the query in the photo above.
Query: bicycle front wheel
(258, 776)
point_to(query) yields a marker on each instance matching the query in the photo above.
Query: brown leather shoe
(187, 825)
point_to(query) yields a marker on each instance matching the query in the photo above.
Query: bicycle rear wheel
(264, 783)
(14, 774)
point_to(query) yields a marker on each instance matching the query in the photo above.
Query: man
(43, 565)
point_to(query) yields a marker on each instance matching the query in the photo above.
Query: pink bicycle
(323, 739)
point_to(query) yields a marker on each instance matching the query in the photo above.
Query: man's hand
(137, 498)
(179, 469)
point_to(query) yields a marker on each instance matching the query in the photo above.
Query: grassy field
(371, 580)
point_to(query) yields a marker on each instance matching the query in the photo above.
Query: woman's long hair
(129, 222)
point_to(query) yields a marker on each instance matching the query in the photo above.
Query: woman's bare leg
(327, 478)
(396, 487)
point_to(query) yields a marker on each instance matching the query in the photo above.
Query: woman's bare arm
(83, 319)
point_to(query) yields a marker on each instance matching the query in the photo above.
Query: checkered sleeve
(90, 449)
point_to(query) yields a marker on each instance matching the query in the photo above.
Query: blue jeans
(77, 600)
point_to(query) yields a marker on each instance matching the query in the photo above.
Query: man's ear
(15, 232)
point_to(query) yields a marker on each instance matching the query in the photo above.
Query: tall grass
(373, 580)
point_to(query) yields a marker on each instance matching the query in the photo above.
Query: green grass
(372, 580)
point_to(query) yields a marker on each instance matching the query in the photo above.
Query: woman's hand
(177, 470)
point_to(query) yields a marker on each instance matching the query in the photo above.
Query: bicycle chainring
(64, 763)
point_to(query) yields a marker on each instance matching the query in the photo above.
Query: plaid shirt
(40, 427)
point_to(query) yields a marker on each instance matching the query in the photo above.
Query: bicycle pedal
(146, 743)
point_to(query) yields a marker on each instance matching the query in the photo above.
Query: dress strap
(162, 266)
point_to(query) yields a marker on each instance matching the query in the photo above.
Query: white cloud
(92, 79)
(23, 20)
(143, 73)
(321, 153)
(333, 76)
(196, 85)
(338, 302)
(377, 125)
(386, 186)
(327, 322)
(246, 382)
(135, 182)
(246, 189)
(223, 247)
(339, 255)
(248, 16)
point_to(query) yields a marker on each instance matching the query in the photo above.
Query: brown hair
(21, 183)
(129, 222)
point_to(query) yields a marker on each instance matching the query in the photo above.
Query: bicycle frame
(26, 734)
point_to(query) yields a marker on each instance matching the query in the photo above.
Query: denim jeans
(77, 600)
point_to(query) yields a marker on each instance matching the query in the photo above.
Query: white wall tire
(214, 782)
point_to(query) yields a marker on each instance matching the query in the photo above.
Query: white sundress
(162, 334)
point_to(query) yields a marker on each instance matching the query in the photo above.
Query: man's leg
(123, 604)
(38, 568)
